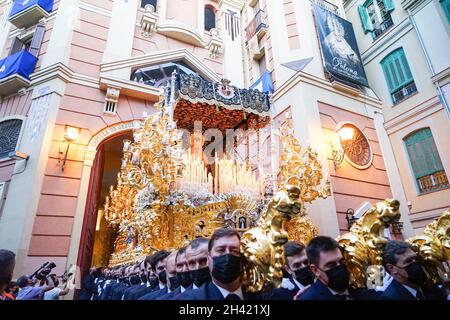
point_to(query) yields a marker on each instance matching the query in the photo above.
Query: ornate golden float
(167, 195)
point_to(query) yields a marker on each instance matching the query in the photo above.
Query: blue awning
(21, 63)
(21, 5)
(264, 83)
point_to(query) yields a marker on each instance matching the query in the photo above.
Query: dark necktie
(232, 296)
(419, 295)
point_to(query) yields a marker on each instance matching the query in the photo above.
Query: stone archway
(87, 194)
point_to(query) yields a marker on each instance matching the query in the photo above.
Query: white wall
(435, 35)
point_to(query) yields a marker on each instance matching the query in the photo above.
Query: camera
(44, 271)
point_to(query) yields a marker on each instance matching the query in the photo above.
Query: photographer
(56, 292)
(29, 290)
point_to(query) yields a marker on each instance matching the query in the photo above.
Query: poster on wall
(340, 52)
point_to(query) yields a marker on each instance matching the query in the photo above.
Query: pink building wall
(352, 187)
(82, 107)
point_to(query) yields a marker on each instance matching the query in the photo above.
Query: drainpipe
(430, 65)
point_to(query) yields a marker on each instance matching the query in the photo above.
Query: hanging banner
(340, 52)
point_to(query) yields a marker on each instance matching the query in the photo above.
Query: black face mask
(338, 278)
(415, 273)
(144, 278)
(226, 268)
(174, 283)
(134, 280)
(200, 276)
(154, 282)
(184, 278)
(304, 276)
(162, 277)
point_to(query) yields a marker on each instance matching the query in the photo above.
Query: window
(210, 18)
(146, 2)
(398, 76)
(32, 43)
(160, 75)
(262, 64)
(376, 16)
(425, 161)
(446, 6)
(9, 135)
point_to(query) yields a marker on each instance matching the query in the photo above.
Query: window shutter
(423, 153)
(16, 46)
(389, 5)
(446, 6)
(365, 19)
(387, 70)
(38, 36)
(396, 70)
(416, 155)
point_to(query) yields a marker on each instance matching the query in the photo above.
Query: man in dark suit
(124, 283)
(332, 277)
(409, 278)
(183, 276)
(135, 281)
(160, 269)
(88, 286)
(151, 283)
(111, 281)
(197, 264)
(225, 263)
(297, 267)
(197, 261)
(172, 280)
(142, 282)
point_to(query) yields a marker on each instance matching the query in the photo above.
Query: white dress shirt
(345, 293)
(411, 290)
(225, 292)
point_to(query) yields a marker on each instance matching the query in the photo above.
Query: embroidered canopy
(218, 105)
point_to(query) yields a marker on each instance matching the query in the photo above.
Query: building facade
(403, 45)
(87, 69)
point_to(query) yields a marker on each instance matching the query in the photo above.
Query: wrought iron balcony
(15, 72)
(403, 93)
(257, 26)
(25, 13)
(433, 182)
(384, 26)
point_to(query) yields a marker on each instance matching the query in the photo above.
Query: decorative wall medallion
(357, 149)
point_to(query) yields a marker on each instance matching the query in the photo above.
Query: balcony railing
(404, 92)
(384, 26)
(327, 6)
(15, 72)
(432, 182)
(256, 25)
(25, 13)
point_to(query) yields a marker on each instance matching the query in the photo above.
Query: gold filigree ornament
(433, 247)
(262, 246)
(364, 244)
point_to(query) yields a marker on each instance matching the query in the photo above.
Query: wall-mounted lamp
(71, 134)
(338, 152)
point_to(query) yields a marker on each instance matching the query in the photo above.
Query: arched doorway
(96, 237)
